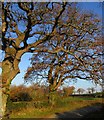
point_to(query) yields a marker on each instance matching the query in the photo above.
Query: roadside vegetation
(32, 101)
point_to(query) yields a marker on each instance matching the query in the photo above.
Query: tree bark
(3, 103)
(52, 96)
(51, 99)
(9, 72)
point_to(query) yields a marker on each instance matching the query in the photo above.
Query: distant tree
(91, 90)
(68, 90)
(80, 90)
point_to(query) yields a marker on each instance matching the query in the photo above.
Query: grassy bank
(41, 109)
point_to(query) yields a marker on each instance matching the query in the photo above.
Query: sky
(25, 63)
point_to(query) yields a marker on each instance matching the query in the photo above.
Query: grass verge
(44, 110)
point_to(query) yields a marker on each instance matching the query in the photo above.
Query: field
(42, 109)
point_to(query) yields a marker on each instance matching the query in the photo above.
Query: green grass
(42, 109)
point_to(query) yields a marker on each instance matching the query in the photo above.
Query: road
(94, 111)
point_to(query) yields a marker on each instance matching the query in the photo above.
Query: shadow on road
(93, 111)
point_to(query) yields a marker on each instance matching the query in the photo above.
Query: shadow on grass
(94, 111)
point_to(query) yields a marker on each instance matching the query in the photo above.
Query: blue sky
(96, 8)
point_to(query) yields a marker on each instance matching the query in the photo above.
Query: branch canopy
(73, 52)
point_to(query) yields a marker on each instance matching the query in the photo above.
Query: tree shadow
(92, 111)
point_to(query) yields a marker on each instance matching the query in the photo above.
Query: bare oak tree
(68, 90)
(74, 52)
(80, 90)
(24, 27)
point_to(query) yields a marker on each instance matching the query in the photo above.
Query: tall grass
(41, 109)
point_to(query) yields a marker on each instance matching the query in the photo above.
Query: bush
(21, 96)
(24, 96)
(19, 93)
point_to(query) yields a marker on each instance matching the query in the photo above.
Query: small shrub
(20, 93)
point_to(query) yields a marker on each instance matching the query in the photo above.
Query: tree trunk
(3, 103)
(52, 96)
(52, 100)
(7, 77)
(8, 74)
